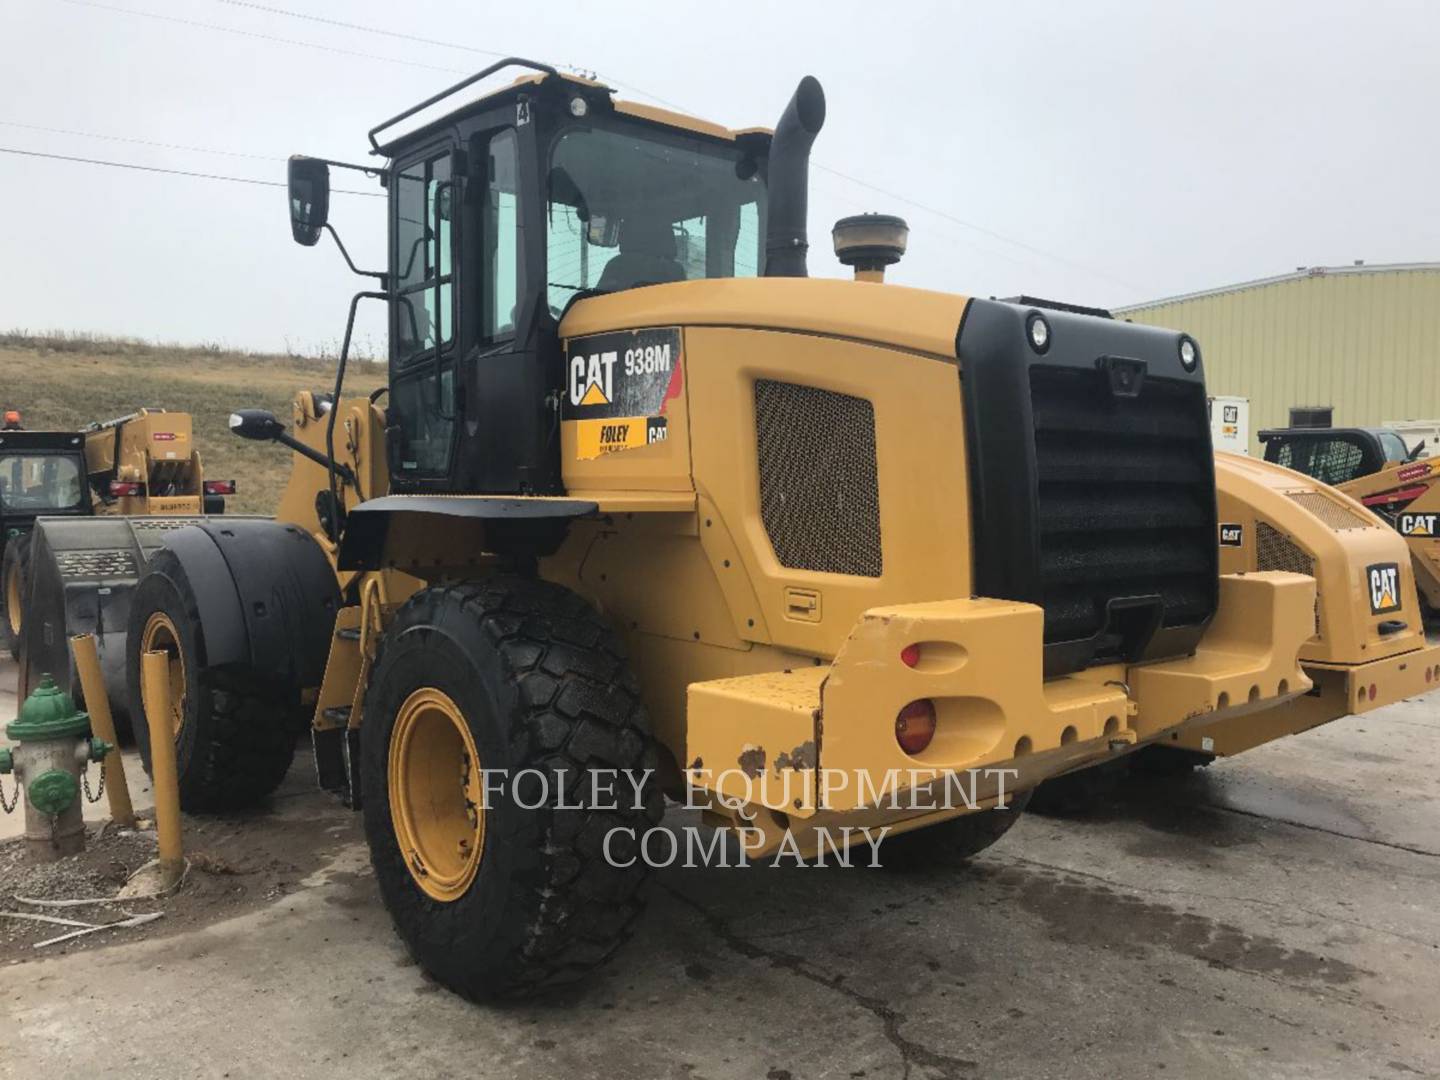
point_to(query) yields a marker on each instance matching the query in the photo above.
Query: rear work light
(915, 726)
(219, 487)
(126, 487)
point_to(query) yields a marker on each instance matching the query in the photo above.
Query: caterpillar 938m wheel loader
(142, 464)
(645, 502)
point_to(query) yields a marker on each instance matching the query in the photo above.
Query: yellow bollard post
(102, 726)
(155, 682)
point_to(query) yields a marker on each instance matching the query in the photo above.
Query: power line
(363, 29)
(262, 37)
(287, 13)
(137, 141)
(173, 172)
(381, 31)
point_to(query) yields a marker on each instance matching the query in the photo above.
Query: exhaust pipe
(786, 241)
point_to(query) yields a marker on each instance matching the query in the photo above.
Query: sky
(1100, 153)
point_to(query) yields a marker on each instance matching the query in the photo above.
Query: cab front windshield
(631, 207)
(37, 483)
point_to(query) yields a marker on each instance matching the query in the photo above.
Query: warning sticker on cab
(618, 387)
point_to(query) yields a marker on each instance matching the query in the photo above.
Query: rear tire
(1080, 791)
(955, 840)
(1167, 761)
(234, 729)
(14, 574)
(534, 680)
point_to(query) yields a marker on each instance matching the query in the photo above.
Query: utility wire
(136, 141)
(363, 29)
(287, 13)
(262, 37)
(173, 172)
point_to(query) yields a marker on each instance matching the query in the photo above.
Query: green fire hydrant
(53, 747)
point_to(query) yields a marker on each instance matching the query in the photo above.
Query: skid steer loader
(143, 464)
(647, 512)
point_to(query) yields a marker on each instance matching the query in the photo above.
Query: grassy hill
(60, 382)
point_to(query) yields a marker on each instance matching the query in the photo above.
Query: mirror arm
(378, 274)
(285, 439)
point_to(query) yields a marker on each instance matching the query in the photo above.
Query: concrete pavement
(1276, 915)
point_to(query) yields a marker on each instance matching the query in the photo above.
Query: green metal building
(1363, 339)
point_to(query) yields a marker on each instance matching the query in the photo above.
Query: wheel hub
(161, 636)
(436, 794)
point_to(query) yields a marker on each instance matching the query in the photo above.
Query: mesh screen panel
(819, 492)
(1337, 515)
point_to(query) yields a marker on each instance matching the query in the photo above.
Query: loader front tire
(493, 707)
(952, 841)
(234, 728)
(14, 573)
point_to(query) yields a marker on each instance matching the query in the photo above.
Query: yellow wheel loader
(1368, 646)
(143, 464)
(649, 513)
(1374, 466)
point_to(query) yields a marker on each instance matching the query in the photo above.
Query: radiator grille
(1276, 551)
(1334, 514)
(1126, 507)
(819, 492)
(95, 564)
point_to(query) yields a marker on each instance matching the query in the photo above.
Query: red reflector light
(219, 487)
(125, 487)
(915, 726)
(1372, 691)
(910, 655)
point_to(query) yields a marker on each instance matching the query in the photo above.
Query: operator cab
(1335, 455)
(41, 473)
(504, 212)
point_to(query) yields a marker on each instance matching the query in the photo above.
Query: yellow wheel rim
(161, 636)
(436, 794)
(14, 589)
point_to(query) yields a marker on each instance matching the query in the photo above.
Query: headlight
(1039, 333)
(1189, 354)
(578, 108)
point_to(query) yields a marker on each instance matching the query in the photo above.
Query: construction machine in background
(645, 502)
(1375, 467)
(42, 473)
(142, 475)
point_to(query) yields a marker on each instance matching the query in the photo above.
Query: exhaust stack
(786, 241)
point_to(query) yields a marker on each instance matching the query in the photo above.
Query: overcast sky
(1100, 153)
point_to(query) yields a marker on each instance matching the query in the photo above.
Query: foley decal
(1420, 524)
(1384, 582)
(618, 387)
(596, 437)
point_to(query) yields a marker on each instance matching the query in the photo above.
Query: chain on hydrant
(53, 748)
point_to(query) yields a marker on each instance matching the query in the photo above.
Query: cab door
(424, 341)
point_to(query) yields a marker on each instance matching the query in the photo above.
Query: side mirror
(1415, 453)
(257, 424)
(309, 198)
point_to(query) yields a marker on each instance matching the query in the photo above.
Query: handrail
(461, 85)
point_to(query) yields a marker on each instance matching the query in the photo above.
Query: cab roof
(543, 75)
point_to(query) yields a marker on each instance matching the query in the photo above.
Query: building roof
(1299, 274)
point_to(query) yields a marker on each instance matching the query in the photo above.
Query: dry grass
(62, 381)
